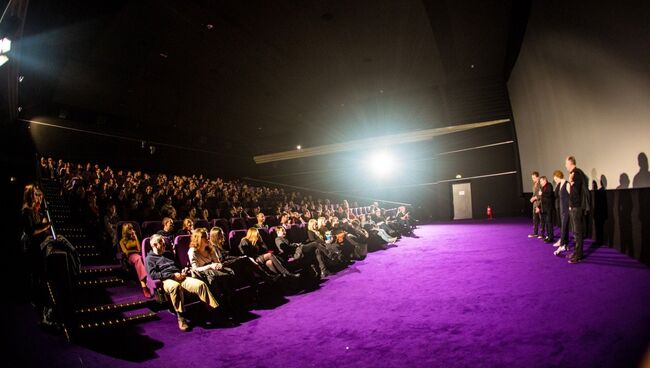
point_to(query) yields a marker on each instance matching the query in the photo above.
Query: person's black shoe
(549, 240)
(292, 275)
(574, 260)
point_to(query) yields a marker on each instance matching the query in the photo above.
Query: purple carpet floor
(474, 294)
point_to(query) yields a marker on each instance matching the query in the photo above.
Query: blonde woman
(246, 268)
(130, 247)
(254, 248)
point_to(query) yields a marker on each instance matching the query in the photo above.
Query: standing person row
(571, 199)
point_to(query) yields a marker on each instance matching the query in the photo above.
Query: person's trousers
(536, 222)
(190, 285)
(548, 224)
(136, 260)
(564, 227)
(578, 223)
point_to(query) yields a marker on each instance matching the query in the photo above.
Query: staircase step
(135, 316)
(102, 281)
(91, 254)
(135, 304)
(100, 269)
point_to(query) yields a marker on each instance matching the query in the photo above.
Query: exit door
(462, 195)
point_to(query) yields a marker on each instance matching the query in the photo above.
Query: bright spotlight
(5, 45)
(298, 147)
(382, 164)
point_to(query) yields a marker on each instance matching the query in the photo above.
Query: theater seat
(181, 246)
(250, 221)
(234, 237)
(297, 233)
(237, 223)
(202, 223)
(223, 224)
(152, 284)
(266, 238)
(149, 228)
(271, 220)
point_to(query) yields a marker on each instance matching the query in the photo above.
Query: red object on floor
(489, 213)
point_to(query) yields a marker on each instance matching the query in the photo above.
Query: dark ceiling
(259, 76)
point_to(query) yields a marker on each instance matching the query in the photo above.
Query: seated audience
(161, 266)
(253, 246)
(309, 254)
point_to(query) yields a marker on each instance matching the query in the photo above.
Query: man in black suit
(548, 205)
(535, 200)
(579, 204)
(562, 206)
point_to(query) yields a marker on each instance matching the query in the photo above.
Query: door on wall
(462, 196)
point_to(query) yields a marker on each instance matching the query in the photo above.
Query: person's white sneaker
(559, 250)
(557, 243)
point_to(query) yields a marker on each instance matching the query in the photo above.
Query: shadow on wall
(621, 217)
(642, 178)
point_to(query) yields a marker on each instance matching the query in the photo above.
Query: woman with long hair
(130, 247)
(243, 266)
(253, 246)
(35, 227)
(206, 265)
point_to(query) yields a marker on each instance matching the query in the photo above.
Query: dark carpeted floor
(474, 294)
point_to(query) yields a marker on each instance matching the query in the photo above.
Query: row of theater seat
(181, 246)
(148, 228)
(211, 205)
(181, 243)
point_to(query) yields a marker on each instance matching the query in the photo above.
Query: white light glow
(5, 45)
(382, 164)
(3, 59)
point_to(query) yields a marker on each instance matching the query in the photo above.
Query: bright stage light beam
(5, 45)
(382, 164)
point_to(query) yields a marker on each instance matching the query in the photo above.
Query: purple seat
(234, 237)
(250, 222)
(297, 233)
(222, 223)
(202, 223)
(237, 223)
(272, 235)
(267, 239)
(181, 246)
(151, 227)
(271, 221)
(152, 284)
